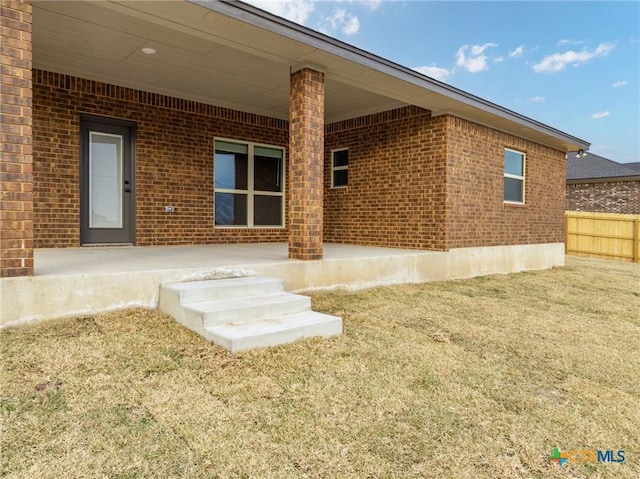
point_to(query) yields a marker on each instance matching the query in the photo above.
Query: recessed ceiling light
(149, 51)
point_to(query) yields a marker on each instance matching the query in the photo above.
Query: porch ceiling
(201, 55)
(237, 56)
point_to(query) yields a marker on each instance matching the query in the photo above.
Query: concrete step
(173, 296)
(245, 313)
(274, 331)
(212, 290)
(248, 309)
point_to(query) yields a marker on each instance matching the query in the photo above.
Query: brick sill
(250, 228)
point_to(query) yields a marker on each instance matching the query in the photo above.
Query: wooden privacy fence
(603, 235)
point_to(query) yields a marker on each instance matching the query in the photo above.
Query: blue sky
(572, 65)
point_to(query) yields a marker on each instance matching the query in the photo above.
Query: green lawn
(479, 378)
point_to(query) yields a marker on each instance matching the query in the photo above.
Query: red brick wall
(606, 197)
(476, 212)
(396, 191)
(174, 160)
(414, 181)
(16, 180)
(306, 143)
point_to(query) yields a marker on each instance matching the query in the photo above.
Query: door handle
(127, 190)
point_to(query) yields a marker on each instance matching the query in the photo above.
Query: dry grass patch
(479, 378)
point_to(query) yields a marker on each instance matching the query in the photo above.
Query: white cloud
(564, 41)
(434, 72)
(352, 26)
(295, 10)
(600, 114)
(372, 4)
(620, 83)
(341, 20)
(472, 58)
(498, 59)
(479, 49)
(537, 99)
(517, 52)
(558, 61)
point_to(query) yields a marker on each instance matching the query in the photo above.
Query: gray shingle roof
(594, 166)
(634, 166)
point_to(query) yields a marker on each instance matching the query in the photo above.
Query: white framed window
(340, 168)
(248, 184)
(514, 171)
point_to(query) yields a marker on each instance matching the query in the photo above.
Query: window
(513, 176)
(339, 168)
(248, 184)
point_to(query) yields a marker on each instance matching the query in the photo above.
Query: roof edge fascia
(605, 179)
(273, 23)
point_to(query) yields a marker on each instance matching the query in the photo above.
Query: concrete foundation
(77, 281)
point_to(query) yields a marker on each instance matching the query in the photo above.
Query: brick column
(16, 179)
(306, 159)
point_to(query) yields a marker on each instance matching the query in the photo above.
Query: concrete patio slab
(76, 281)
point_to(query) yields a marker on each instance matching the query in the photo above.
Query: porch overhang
(235, 55)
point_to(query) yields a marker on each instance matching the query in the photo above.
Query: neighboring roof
(592, 167)
(633, 166)
(232, 54)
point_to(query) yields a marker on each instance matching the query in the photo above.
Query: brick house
(601, 185)
(164, 123)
